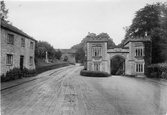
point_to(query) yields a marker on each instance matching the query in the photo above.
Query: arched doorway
(117, 65)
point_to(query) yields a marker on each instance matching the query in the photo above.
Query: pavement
(9, 84)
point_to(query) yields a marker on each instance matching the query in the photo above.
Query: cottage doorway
(21, 62)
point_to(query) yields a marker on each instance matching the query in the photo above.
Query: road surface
(65, 92)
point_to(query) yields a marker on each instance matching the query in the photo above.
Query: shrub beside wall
(157, 70)
(94, 73)
(16, 73)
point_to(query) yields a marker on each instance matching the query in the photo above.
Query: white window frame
(9, 62)
(31, 45)
(97, 51)
(139, 52)
(139, 68)
(22, 42)
(31, 60)
(10, 39)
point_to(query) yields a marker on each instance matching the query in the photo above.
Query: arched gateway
(99, 57)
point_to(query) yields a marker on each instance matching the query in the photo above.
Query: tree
(42, 47)
(80, 55)
(58, 54)
(4, 11)
(81, 47)
(110, 40)
(146, 19)
(151, 21)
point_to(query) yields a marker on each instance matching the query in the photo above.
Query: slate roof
(137, 39)
(14, 29)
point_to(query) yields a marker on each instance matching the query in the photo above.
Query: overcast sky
(65, 23)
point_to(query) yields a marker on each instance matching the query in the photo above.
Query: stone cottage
(17, 49)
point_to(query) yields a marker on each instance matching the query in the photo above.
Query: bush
(3, 78)
(94, 73)
(13, 74)
(16, 73)
(157, 70)
(154, 75)
(28, 73)
(164, 75)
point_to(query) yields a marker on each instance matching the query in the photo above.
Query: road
(65, 92)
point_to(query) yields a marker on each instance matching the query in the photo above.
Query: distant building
(68, 54)
(133, 53)
(17, 49)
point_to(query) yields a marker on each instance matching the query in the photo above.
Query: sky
(65, 23)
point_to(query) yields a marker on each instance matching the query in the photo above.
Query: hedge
(94, 73)
(46, 68)
(16, 73)
(157, 70)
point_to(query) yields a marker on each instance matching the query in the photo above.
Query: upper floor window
(140, 67)
(22, 42)
(31, 60)
(96, 51)
(139, 52)
(10, 39)
(9, 59)
(31, 45)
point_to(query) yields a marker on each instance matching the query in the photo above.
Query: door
(21, 62)
(96, 67)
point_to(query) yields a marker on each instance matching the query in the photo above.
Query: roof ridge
(10, 27)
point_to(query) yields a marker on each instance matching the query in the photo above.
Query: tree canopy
(80, 48)
(146, 19)
(42, 47)
(4, 11)
(151, 21)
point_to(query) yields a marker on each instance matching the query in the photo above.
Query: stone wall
(16, 50)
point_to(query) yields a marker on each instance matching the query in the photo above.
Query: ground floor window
(97, 67)
(140, 67)
(31, 60)
(9, 59)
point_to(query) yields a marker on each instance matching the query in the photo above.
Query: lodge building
(98, 56)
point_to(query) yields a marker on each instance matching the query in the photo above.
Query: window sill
(140, 72)
(9, 64)
(10, 44)
(97, 57)
(139, 57)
